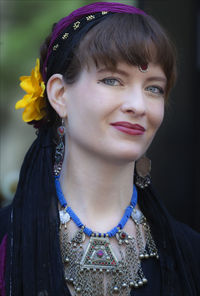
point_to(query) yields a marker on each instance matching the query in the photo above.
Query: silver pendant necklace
(97, 271)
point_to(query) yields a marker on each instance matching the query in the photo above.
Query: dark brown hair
(131, 38)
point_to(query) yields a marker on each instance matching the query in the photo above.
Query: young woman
(85, 220)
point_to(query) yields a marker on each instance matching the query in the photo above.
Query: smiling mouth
(129, 128)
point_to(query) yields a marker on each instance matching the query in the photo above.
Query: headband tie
(77, 14)
(63, 46)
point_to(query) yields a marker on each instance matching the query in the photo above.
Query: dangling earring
(60, 148)
(143, 169)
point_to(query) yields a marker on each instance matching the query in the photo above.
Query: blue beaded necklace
(87, 230)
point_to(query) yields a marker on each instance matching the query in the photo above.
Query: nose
(134, 101)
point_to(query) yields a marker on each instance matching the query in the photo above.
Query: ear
(56, 91)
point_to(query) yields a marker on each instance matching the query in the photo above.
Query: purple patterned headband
(80, 12)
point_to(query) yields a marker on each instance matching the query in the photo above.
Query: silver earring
(60, 148)
(143, 169)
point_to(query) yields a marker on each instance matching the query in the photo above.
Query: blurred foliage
(24, 26)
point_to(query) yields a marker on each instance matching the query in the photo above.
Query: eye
(155, 89)
(111, 81)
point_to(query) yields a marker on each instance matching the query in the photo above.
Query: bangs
(131, 38)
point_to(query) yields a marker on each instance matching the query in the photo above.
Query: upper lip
(127, 124)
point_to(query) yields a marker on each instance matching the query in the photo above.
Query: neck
(102, 188)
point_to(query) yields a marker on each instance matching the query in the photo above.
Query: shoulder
(4, 220)
(187, 238)
(184, 230)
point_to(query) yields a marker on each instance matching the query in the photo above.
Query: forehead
(126, 70)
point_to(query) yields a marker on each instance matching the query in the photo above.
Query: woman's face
(115, 114)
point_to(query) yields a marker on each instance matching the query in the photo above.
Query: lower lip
(129, 131)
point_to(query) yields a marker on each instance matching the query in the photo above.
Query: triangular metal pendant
(99, 255)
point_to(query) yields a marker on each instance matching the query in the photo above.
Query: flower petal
(27, 85)
(29, 113)
(23, 102)
(33, 102)
(43, 87)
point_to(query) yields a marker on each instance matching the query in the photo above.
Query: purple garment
(2, 265)
(80, 12)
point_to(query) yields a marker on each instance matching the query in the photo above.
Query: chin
(132, 152)
(126, 155)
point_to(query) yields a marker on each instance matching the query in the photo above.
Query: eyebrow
(156, 78)
(119, 71)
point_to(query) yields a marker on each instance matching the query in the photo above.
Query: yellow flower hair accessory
(33, 102)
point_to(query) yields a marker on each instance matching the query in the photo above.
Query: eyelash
(160, 89)
(111, 79)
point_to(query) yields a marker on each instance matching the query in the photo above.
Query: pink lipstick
(129, 128)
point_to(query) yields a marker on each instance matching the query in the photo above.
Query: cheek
(156, 115)
(83, 117)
